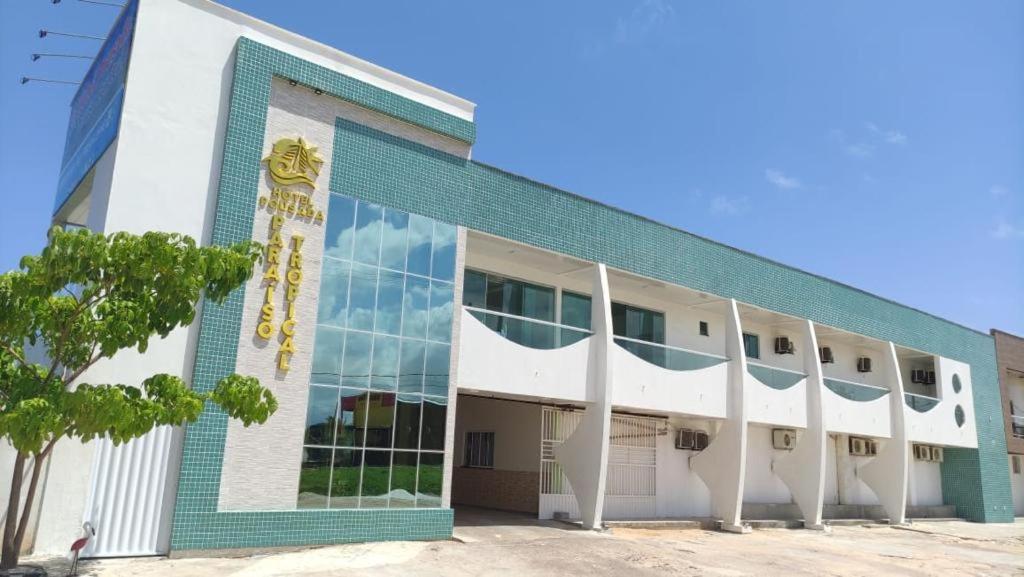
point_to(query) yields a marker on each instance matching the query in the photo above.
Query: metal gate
(131, 496)
(630, 489)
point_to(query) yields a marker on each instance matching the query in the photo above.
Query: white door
(131, 499)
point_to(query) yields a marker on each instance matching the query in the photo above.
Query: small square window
(480, 450)
(1016, 465)
(704, 329)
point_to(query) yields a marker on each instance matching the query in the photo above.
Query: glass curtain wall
(374, 435)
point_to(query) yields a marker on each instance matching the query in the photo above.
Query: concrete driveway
(498, 544)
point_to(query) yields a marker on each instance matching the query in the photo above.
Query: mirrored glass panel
(474, 289)
(394, 239)
(439, 324)
(376, 479)
(341, 214)
(356, 367)
(443, 262)
(321, 415)
(576, 310)
(367, 237)
(407, 422)
(428, 486)
(432, 435)
(362, 297)
(332, 307)
(385, 363)
(327, 352)
(380, 420)
(435, 372)
(403, 480)
(421, 230)
(345, 478)
(352, 418)
(389, 303)
(410, 374)
(314, 478)
(415, 307)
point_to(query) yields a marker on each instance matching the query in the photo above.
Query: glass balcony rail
(774, 377)
(1017, 425)
(855, 391)
(532, 333)
(920, 403)
(671, 358)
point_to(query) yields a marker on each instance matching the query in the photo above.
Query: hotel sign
(294, 165)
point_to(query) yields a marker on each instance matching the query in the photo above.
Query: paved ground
(502, 544)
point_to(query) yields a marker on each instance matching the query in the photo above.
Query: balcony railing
(774, 377)
(920, 403)
(532, 333)
(671, 358)
(1017, 426)
(855, 391)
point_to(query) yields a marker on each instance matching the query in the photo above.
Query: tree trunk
(37, 467)
(11, 551)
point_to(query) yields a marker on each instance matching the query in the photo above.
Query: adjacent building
(440, 332)
(1010, 356)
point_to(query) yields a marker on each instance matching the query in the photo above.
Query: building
(443, 332)
(1010, 356)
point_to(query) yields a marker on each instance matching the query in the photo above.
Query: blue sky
(877, 143)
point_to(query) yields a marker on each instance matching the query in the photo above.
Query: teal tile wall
(395, 172)
(197, 524)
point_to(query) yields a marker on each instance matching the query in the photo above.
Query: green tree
(86, 297)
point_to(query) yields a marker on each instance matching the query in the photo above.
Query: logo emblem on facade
(293, 161)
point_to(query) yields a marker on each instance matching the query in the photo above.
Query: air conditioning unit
(936, 454)
(918, 376)
(864, 365)
(784, 346)
(784, 439)
(700, 440)
(931, 378)
(858, 446)
(871, 447)
(684, 439)
(825, 353)
(922, 453)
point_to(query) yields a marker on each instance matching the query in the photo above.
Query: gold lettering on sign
(293, 279)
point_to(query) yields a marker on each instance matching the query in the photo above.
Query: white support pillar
(722, 465)
(803, 469)
(584, 455)
(886, 474)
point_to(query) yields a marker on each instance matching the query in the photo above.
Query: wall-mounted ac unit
(700, 440)
(936, 454)
(784, 439)
(784, 346)
(825, 353)
(922, 453)
(859, 446)
(684, 439)
(931, 378)
(864, 365)
(918, 376)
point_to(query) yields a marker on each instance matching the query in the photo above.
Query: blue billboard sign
(96, 107)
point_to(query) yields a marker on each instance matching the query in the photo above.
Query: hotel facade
(440, 332)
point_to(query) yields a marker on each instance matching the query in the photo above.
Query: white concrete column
(886, 474)
(803, 469)
(584, 455)
(453, 369)
(722, 465)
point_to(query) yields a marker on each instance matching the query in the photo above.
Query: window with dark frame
(752, 345)
(703, 329)
(479, 451)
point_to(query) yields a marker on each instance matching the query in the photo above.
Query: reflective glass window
(367, 237)
(576, 310)
(435, 372)
(428, 487)
(421, 231)
(376, 479)
(474, 289)
(314, 478)
(415, 307)
(407, 422)
(356, 367)
(439, 326)
(637, 323)
(341, 212)
(389, 302)
(332, 306)
(394, 239)
(380, 419)
(327, 351)
(362, 297)
(403, 480)
(432, 435)
(321, 415)
(443, 262)
(345, 478)
(410, 373)
(385, 363)
(352, 418)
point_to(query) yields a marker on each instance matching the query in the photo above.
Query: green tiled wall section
(197, 523)
(395, 172)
